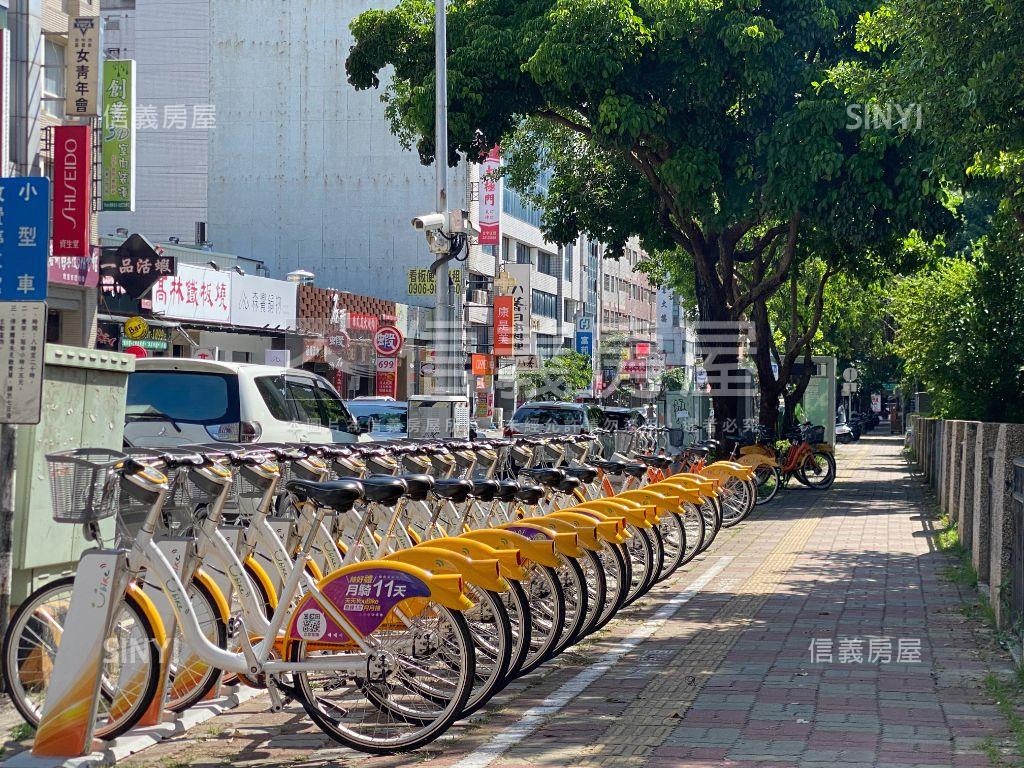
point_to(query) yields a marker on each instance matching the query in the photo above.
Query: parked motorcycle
(844, 434)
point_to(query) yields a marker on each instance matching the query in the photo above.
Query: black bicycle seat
(544, 476)
(339, 495)
(384, 489)
(584, 474)
(530, 494)
(611, 467)
(569, 484)
(454, 490)
(660, 462)
(507, 490)
(419, 486)
(485, 490)
(635, 470)
(699, 450)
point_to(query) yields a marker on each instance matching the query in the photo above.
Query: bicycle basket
(814, 435)
(83, 485)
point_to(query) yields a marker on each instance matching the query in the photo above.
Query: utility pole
(443, 347)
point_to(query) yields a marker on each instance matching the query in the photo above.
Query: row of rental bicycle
(391, 589)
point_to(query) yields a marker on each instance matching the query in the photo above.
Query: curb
(140, 738)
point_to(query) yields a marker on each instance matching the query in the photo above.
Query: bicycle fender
(257, 570)
(662, 500)
(731, 469)
(122, 702)
(604, 530)
(536, 548)
(218, 597)
(756, 460)
(481, 573)
(586, 536)
(510, 561)
(366, 595)
(634, 512)
(705, 486)
(675, 491)
(567, 543)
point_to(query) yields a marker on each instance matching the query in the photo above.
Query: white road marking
(534, 717)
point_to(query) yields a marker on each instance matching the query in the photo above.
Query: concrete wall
(970, 466)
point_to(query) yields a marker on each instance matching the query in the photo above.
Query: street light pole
(442, 299)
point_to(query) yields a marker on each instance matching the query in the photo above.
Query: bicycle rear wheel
(693, 522)
(640, 550)
(491, 630)
(673, 536)
(547, 615)
(617, 577)
(769, 481)
(818, 471)
(420, 681)
(574, 588)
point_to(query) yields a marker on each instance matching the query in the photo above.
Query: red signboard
(388, 340)
(503, 335)
(643, 349)
(387, 384)
(481, 365)
(72, 190)
(359, 321)
(490, 206)
(82, 271)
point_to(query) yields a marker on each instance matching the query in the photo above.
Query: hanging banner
(503, 306)
(119, 135)
(522, 309)
(195, 293)
(72, 190)
(490, 199)
(82, 67)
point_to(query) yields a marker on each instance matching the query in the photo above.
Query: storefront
(337, 332)
(71, 299)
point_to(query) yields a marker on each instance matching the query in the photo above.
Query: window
(568, 309)
(545, 304)
(275, 396)
(192, 398)
(668, 346)
(302, 397)
(567, 256)
(523, 254)
(594, 252)
(333, 409)
(53, 81)
(240, 357)
(608, 282)
(546, 263)
(53, 327)
(504, 249)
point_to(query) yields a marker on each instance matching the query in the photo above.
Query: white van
(173, 401)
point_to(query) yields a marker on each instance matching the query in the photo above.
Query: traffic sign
(585, 343)
(24, 238)
(585, 324)
(387, 364)
(851, 374)
(22, 340)
(388, 340)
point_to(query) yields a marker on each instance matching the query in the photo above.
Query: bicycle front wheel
(769, 480)
(819, 471)
(413, 686)
(131, 662)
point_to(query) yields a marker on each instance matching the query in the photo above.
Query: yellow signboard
(422, 282)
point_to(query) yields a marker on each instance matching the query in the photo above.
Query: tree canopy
(711, 130)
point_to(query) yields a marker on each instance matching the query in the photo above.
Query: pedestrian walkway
(821, 632)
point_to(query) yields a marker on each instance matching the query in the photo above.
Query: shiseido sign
(72, 190)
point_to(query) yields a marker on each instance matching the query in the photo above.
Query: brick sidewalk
(728, 677)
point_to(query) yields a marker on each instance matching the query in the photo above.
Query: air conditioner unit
(478, 297)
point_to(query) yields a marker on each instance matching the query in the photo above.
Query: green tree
(560, 378)
(707, 129)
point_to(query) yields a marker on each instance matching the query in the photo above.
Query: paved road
(717, 668)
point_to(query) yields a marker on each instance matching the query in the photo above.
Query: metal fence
(1015, 601)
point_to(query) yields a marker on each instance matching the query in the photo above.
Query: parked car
(621, 418)
(563, 418)
(174, 401)
(383, 419)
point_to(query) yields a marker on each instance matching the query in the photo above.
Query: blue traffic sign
(585, 343)
(24, 238)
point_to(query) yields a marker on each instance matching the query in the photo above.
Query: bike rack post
(69, 712)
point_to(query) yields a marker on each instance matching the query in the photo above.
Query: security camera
(429, 221)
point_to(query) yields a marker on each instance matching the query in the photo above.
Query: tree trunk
(718, 339)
